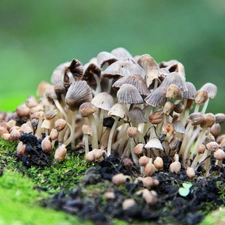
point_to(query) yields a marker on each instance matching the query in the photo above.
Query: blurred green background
(36, 36)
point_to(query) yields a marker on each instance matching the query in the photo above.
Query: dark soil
(171, 207)
(85, 199)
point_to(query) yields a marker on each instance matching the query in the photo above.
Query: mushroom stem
(59, 107)
(94, 139)
(72, 132)
(189, 144)
(111, 136)
(205, 106)
(86, 144)
(199, 141)
(98, 88)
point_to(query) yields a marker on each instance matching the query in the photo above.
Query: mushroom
(78, 93)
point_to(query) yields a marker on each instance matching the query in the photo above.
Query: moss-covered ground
(24, 189)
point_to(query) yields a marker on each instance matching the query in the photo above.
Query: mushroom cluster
(129, 106)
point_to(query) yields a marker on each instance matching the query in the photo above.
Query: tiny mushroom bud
(219, 154)
(127, 203)
(21, 148)
(54, 134)
(175, 166)
(120, 178)
(158, 163)
(14, 134)
(148, 182)
(149, 197)
(109, 195)
(22, 111)
(156, 117)
(6, 136)
(174, 92)
(201, 148)
(168, 108)
(143, 161)
(215, 130)
(139, 149)
(46, 144)
(190, 172)
(89, 157)
(60, 124)
(60, 153)
(212, 146)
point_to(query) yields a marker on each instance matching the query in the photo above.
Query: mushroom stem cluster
(126, 105)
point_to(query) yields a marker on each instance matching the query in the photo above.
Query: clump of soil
(87, 201)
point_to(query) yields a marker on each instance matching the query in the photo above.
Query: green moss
(18, 203)
(58, 176)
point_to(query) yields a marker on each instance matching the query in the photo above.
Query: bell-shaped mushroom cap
(174, 92)
(121, 53)
(191, 91)
(106, 59)
(58, 76)
(154, 143)
(78, 93)
(157, 97)
(122, 68)
(211, 89)
(136, 80)
(86, 109)
(179, 127)
(76, 68)
(90, 70)
(173, 66)
(72, 73)
(129, 94)
(152, 74)
(41, 88)
(138, 115)
(118, 110)
(146, 61)
(103, 100)
(175, 78)
(50, 93)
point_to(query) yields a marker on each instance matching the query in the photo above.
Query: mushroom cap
(118, 110)
(90, 70)
(50, 93)
(138, 115)
(106, 59)
(58, 73)
(191, 91)
(86, 109)
(121, 53)
(174, 92)
(146, 61)
(129, 94)
(154, 143)
(211, 89)
(156, 97)
(122, 68)
(173, 66)
(76, 68)
(136, 80)
(103, 100)
(175, 78)
(41, 88)
(78, 93)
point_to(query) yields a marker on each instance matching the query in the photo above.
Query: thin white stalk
(109, 148)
